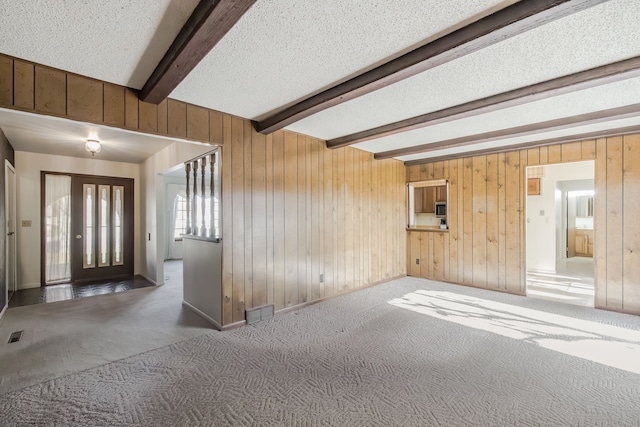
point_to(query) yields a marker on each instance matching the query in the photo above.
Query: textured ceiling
(119, 41)
(282, 51)
(578, 42)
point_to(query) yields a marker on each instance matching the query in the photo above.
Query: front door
(102, 216)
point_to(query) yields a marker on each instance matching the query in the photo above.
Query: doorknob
(11, 233)
(78, 236)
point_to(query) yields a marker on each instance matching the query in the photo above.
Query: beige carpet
(69, 336)
(410, 352)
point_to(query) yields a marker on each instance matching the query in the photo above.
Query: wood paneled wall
(34, 88)
(485, 244)
(294, 210)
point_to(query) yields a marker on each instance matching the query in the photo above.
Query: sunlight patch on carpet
(606, 344)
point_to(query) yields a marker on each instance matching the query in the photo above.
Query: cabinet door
(418, 197)
(441, 193)
(430, 200)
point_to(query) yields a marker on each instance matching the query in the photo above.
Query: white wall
(28, 168)
(153, 188)
(543, 220)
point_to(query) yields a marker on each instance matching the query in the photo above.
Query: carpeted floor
(409, 352)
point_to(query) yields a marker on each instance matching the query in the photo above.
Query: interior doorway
(560, 227)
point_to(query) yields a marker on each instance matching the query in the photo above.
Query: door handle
(78, 236)
(11, 233)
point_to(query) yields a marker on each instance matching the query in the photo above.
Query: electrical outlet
(418, 261)
(26, 223)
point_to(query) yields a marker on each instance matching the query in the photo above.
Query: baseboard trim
(349, 291)
(149, 279)
(209, 319)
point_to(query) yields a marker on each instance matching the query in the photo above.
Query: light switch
(26, 223)
(542, 213)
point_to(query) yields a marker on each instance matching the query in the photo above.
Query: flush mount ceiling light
(93, 146)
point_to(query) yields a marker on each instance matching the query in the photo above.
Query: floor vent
(259, 313)
(15, 336)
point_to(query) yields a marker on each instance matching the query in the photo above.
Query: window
(180, 228)
(427, 204)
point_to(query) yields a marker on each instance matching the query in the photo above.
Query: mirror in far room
(427, 204)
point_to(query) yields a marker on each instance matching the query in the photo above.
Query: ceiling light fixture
(93, 146)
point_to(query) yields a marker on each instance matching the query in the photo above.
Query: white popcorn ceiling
(281, 51)
(119, 41)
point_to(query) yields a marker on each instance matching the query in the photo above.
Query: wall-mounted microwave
(441, 209)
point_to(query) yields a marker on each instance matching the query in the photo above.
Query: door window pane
(88, 191)
(57, 228)
(105, 201)
(118, 225)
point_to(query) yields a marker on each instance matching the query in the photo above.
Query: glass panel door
(104, 204)
(88, 191)
(118, 205)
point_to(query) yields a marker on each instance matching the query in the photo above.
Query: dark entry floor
(53, 293)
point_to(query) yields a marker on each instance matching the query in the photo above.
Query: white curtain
(57, 228)
(172, 207)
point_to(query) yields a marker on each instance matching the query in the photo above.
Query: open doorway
(560, 226)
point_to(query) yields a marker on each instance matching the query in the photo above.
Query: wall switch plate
(418, 261)
(321, 278)
(26, 223)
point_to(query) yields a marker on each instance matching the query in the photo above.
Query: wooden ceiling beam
(627, 130)
(207, 25)
(617, 113)
(598, 76)
(503, 24)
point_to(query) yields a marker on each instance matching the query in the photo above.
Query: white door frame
(10, 195)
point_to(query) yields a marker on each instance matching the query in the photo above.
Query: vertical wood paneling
(512, 230)
(502, 221)
(238, 214)
(615, 219)
(467, 189)
(329, 249)
(23, 84)
(555, 154)
(114, 105)
(50, 91)
(259, 218)
(588, 149)
(452, 213)
(479, 221)
(131, 113)
(148, 117)
(215, 127)
(163, 120)
(248, 207)
(571, 152)
(227, 224)
(341, 282)
(269, 217)
(302, 219)
(84, 99)
(600, 224)
(6, 81)
(631, 225)
(487, 220)
(316, 212)
(492, 213)
(197, 123)
(176, 118)
(291, 218)
(279, 254)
